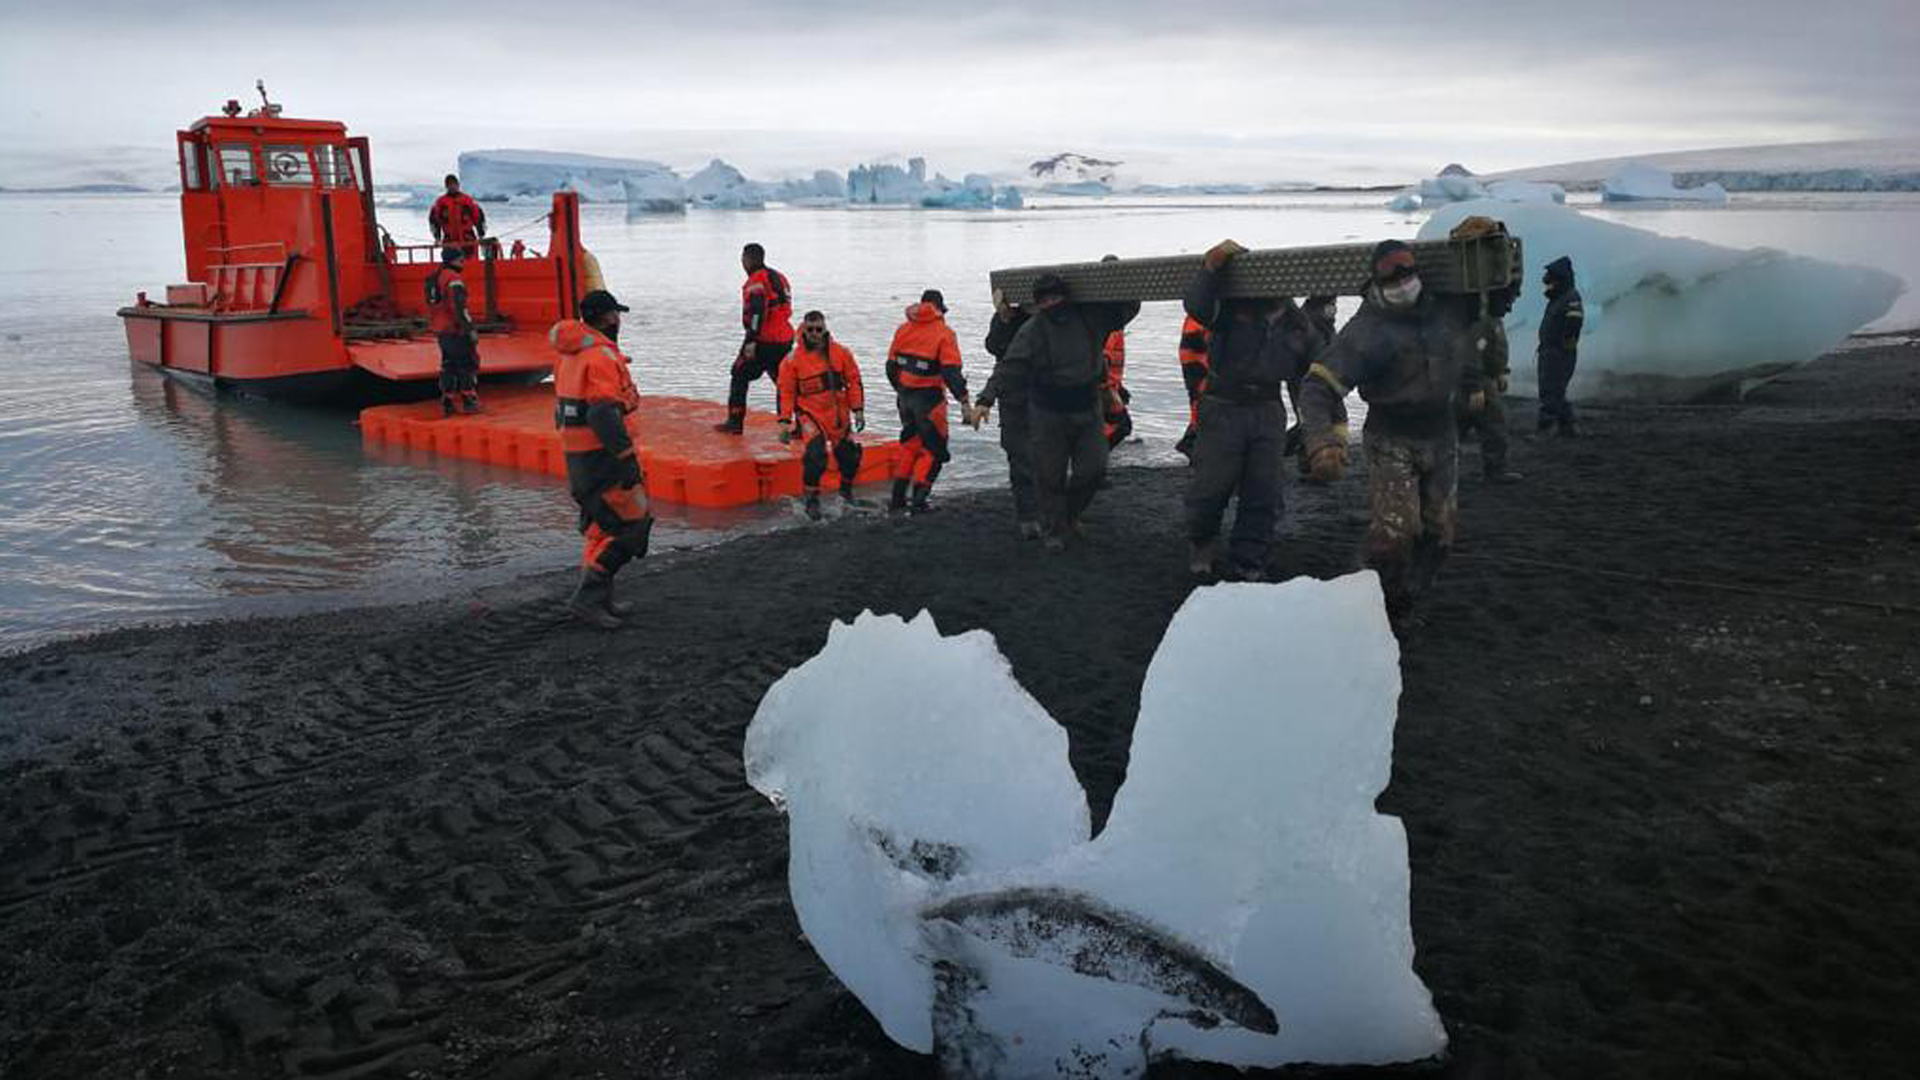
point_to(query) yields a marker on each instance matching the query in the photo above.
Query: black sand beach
(1664, 810)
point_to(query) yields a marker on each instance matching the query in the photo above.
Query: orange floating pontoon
(294, 291)
(686, 461)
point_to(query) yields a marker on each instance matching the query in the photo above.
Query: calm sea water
(127, 497)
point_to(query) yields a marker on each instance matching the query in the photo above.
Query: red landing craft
(294, 292)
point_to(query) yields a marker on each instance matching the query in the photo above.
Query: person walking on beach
(1254, 347)
(1057, 356)
(1403, 351)
(1559, 349)
(822, 404)
(1016, 437)
(923, 365)
(452, 326)
(766, 314)
(455, 218)
(594, 407)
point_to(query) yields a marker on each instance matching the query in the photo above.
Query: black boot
(897, 503)
(590, 600)
(736, 420)
(620, 609)
(918, 505)
(470, 403)
(813, 504)
(446, 405)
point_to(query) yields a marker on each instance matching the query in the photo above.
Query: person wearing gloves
(822, 404)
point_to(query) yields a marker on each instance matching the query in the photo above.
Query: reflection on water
(128, 496)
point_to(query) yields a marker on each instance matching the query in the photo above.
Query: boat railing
(413, 254)
(250, 277)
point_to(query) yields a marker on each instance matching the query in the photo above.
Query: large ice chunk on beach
(1245, 903)
(1635, 182)
(1676, 307)
(503, 174)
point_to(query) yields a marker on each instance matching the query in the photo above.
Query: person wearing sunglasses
(822, 404)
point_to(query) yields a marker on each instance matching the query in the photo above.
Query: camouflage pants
(1491, 423)
(1411, 484)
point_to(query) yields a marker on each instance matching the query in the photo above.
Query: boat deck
(685, 460)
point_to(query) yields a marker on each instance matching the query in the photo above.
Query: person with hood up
(1404, 352)
(594, 407)
(1559, 349)
(1254, 346)
(1058, 357)
(923, 366)
(822, 403)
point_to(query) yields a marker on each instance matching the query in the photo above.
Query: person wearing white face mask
(1404, 352)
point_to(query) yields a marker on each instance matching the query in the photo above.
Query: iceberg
(1634, 182)
(823, 186)
(1245, 903)
(503, 174)
(1009, 198)
(655, 193)
(720, 186)
(1675, 307)
(1526, 191)
(1855, 165)
(1446, 188)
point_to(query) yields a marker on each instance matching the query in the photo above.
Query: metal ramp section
(1475, 265)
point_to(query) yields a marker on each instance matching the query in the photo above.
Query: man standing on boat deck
(453, 327)
(1058, 357)
(766, 313)
(594, 407)
(455, 217)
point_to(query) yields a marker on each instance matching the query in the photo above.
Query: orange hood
(924, 312)
(571, 335)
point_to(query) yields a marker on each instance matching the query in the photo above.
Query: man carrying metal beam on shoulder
(1403, 351)
(1058, 357)
(1254, 347)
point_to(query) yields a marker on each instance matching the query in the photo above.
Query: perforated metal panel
(1455, 266)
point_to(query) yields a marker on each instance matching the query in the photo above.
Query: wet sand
(1664, 810)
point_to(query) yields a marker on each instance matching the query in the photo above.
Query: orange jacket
(766, 307)
(594, 395)
(1194, 366)
(824, 387)
(446, 301)
(925, 355)
(1116, 353)
(456, 218)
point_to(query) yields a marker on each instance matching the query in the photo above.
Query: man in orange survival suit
(594, 403)
(1194, 367)
(766, 313)
(455, 217)
(452, 327)
(1114, 396)
(923, 364)
(820, 393)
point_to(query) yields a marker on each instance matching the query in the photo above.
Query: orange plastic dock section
(686, 461)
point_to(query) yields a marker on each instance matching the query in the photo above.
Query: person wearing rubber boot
(766, 314)
(923, 364)
(452, 326)
(822, 404)
(1254, 347)
(1016, 439)
(1403, 351)
(1559, 350)
(1057, 356)
(594, 407)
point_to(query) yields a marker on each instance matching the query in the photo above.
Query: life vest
(458, 216)
(1116, 353)
(591, 370)
(923, 348)
(825, 387)
(766, 290)
(445, 293)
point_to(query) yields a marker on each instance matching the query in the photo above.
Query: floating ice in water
(1461, 186)
(1405, 202)
(506, 173)
(1446, 188)
(1670, 306)
(1634, 182)
(720, 186)
(1526, 191)
(655, 193)
(1245, 903)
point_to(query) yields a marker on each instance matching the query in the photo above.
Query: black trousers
(813, 461)
(1016, 438)
(1069, 460)
(1554, 372)
(1237, 453)
(459, 364)
(764, 361)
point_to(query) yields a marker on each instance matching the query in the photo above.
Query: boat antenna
(267, 108)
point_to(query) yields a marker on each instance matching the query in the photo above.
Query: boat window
(336, 167)
(236, 164)
(190, 174)
(288, 165)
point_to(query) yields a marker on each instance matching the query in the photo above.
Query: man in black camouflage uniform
(1559, 347)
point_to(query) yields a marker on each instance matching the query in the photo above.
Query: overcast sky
(1358, 90)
